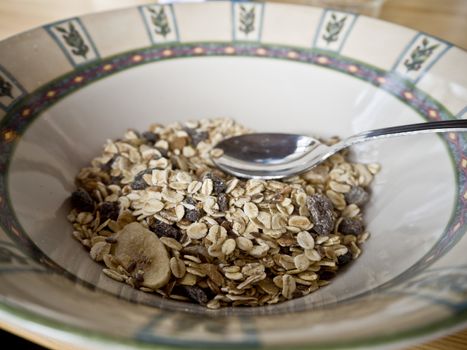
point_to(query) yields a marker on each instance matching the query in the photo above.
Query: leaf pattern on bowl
(334, 28)
(160, 21)
(5, 88)
(419, 55)
(247, 19)
(74, 40)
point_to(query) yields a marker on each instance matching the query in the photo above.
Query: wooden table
(446, 19)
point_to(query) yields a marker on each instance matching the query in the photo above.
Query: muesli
(162, 218)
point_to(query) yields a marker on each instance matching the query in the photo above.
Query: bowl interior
(415, 215)
(410, 205)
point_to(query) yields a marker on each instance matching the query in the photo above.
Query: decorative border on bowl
(420, 54)
(10, 89)
(333, 29)
(160, 23)
(31, 106)
(74, 40)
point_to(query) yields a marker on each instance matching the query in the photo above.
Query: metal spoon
(275, 155)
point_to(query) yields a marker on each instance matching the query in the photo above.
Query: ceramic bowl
(67, 87)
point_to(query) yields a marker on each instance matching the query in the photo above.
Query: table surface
(445, 19)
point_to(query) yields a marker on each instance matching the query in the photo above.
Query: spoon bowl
(268, 155)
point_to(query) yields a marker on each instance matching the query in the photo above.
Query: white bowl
(294, 69)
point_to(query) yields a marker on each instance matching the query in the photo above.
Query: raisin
(225, 224)
(138, 182)
(191, 201)
(196, 293)
(175, 162)
(298, 292)
(321, 211)
(116, 180)
(277, 198)
(350, 226)
(192, 215)
(196, 136)
(150, 137)
(139, 278)
(357, 195)
(169, 287)
(109, 210)
(111, 240)
(207, 175)
(164, 152)
(130, 268)
(82, 201)
(161, 229)
(218, 184)
(326, 275)
(344, 259)
(108, 166)
(223, 202)
(198, 251)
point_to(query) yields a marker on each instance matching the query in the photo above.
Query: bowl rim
(432, 330)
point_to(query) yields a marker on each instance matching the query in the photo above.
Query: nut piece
(147, 251)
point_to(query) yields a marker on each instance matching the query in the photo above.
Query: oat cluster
(158, 214)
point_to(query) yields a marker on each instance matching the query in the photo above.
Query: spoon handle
(403, 130)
